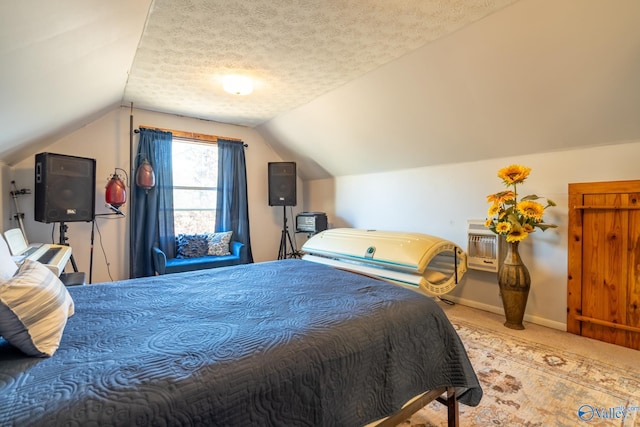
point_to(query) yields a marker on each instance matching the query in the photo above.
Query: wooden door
(603, 281)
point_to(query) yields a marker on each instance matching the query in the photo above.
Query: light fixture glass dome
(237, 85)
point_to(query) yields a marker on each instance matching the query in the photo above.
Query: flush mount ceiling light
(237, 85)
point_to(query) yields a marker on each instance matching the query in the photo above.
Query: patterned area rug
(529, 384)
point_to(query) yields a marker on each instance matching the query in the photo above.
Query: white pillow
(219, 243)
(34, 306)
(7, 266)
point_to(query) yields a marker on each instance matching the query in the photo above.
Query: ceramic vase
(514, 282)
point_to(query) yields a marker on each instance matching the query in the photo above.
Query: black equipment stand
(75, 278)
(63, 242)
(286, 237)
(19, 215)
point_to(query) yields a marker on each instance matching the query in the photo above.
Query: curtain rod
(192, 135)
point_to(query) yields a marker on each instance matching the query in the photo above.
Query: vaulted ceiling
(341, 86)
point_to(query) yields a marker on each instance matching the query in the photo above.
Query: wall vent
(483, 248)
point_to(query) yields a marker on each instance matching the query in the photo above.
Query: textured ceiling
(294, 50)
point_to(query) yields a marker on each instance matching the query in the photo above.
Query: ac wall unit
(483, 248)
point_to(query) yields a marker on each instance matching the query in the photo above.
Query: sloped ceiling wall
(537, 76)
(64, 63)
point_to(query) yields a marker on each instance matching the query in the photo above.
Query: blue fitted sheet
(285, 343)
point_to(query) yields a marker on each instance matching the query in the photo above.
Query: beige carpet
(541, 377)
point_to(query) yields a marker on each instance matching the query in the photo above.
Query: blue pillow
(192, 245)
(219, 243)
(34, 306)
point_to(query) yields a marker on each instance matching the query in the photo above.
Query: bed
(289, 343)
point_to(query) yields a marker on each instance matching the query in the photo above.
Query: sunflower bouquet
(511, 217)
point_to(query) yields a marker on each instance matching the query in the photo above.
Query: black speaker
(282, 184)
(65, 188)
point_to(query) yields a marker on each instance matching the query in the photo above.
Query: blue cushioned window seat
(177, 265)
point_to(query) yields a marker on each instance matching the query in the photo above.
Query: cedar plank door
(603, 282)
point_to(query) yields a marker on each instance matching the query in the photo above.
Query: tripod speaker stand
(286, 237)
(76, 277)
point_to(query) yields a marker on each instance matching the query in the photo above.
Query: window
(195, 178)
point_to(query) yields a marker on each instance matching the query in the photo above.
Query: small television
(311, 222)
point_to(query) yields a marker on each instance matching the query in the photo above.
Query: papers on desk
(18, 244)
(18, 259)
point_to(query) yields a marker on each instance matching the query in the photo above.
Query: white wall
(107, 140)
(439, 200)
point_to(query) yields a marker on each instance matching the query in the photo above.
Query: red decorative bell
(145, 178)
(116, 193)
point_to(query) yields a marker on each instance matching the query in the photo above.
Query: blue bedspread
(288, 343)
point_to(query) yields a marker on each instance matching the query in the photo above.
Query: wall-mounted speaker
(65, 188)
(282, 184)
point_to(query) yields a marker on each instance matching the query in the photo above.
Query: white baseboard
(561, 326)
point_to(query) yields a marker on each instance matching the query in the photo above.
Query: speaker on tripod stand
(65, 192)
(282, 192)
(65, 188)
